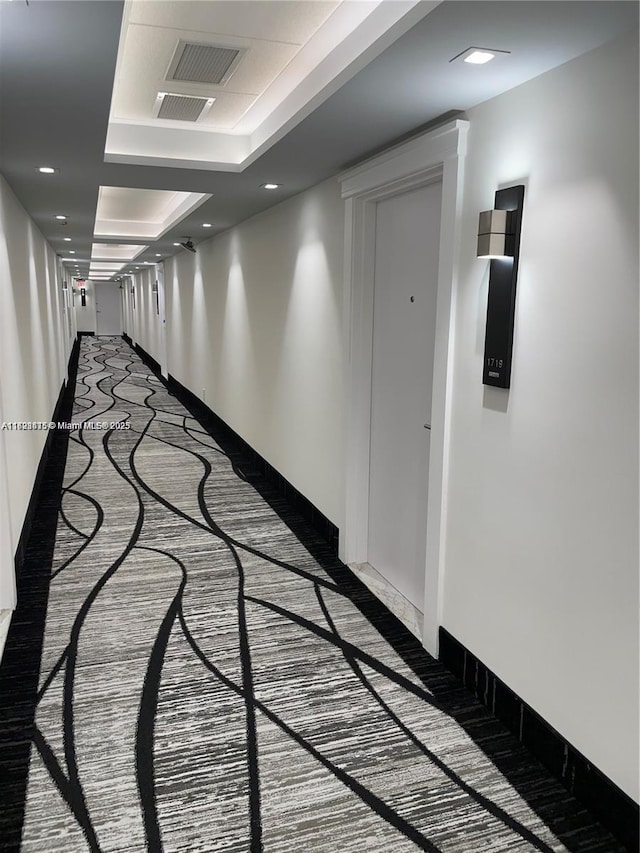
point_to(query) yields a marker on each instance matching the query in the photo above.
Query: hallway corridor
(209, 680)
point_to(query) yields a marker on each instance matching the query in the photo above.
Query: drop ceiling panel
(281, 70)
(148, 54)
(227, 110)
(275, 20)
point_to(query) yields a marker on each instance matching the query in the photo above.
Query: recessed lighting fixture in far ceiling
(270, 186)
(206, 225)
(176, 244)
(72, 251)
(479, 55)
(158, 255)
(47, 170)
(61, 216)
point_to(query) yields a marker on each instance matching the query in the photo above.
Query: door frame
(434, 155)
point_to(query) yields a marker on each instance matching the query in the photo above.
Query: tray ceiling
(271, 66)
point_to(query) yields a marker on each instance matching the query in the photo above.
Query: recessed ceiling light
(72, 251)
(269, 186)
(206, 225)
(158, 255)
(479, 55)
(47, 170)
(61, 216)
(67, 239)
(176, 244)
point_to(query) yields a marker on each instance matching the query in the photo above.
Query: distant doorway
(108, 313)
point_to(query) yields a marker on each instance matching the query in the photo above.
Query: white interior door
(404, 322)
(108, 309)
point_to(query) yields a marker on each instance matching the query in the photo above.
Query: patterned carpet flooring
(207, 682)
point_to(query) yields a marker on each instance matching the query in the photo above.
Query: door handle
(427, 426)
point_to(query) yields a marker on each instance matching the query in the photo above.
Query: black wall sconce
(83, 296)
(499, 239)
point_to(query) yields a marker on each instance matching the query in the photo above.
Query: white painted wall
(85, 315)
(541, 551)
(144, 323)
(69, 326)
(148, 320)
(128, 317)
(34, 351)
(254, 321)
(541, 577)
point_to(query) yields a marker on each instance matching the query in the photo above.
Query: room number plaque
(501, 302)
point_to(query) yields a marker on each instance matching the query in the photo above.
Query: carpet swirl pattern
(205, 685)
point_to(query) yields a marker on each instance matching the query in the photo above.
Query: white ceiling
(282, 44)
(116, 251)
(129, 212)
(293, 52)
(329, 84)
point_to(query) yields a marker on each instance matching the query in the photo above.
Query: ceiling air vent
(182, 107)
(203, 63)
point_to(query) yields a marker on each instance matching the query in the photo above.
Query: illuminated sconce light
(83, 296)
(493, 230)
(499, 239)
